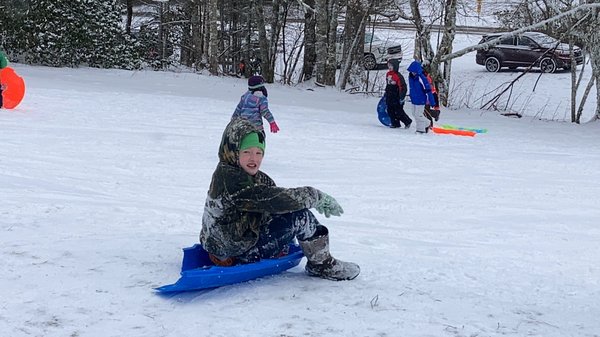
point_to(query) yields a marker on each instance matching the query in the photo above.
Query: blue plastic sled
(382, 114)
(199, 272)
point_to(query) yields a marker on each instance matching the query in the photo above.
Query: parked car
(376, 51)
(522, 50)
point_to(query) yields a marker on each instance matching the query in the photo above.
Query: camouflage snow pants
(277, 234)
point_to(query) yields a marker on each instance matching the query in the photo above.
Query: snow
(104, 173)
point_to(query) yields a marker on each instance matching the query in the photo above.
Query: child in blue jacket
(254, 105)
(420, 95)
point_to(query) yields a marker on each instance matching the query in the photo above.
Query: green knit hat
(253, 139)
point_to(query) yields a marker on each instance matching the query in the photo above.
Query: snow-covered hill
(103, 176)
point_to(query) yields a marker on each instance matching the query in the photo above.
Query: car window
(507, 41)
(525, 41)
(371, 38)
(546, 41)
(488, 38)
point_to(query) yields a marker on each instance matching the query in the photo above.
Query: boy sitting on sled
(248, 218)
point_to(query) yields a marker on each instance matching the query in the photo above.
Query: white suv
(376, 51)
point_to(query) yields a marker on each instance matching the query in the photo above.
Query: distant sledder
(12, 86)
(3, 64)
(254, 105)
(421, 95)
(395, 93)
(432, 112)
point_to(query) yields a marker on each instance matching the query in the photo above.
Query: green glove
(328, 206)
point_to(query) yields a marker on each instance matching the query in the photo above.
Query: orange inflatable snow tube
(454, 132)
(14, 89)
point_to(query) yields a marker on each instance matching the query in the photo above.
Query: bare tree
(424, 50)
(163, 8)
(264, 47)
(310, 54)
(213, 37)
(129, 9)
(326, 25)
(441, 77)
(352, 70)
(590, 34)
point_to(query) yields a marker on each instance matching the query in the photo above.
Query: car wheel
(547, 65)
(492, 64)
(369, 62)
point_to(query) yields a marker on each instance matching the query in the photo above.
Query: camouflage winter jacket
(238, 203)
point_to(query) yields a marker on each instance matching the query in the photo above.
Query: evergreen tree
(106, 42)
(78, 32)
(12, 39)
(50, 26)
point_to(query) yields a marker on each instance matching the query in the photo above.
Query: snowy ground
(103, 176)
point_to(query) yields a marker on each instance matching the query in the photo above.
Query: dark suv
(522, 50)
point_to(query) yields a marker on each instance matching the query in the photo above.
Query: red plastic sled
(13, 94)
(454, 132)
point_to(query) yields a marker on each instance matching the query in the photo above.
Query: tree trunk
(423, 50)
(596, 74)
(574, 83)
(213, 37)
(584, 97)
(331, 64)
(187, 35)
(162, 35)
(129, 5)
(581, 26)
(279, 14)
(310, 55)
(442, 77)
(263, 43)
(327, 11)
(592, 35)
(197, 36)
(352, 70)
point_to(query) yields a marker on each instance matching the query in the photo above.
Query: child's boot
(321, 263)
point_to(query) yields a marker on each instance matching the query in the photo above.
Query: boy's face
(250, 160)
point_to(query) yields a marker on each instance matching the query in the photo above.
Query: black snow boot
(321, 263)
